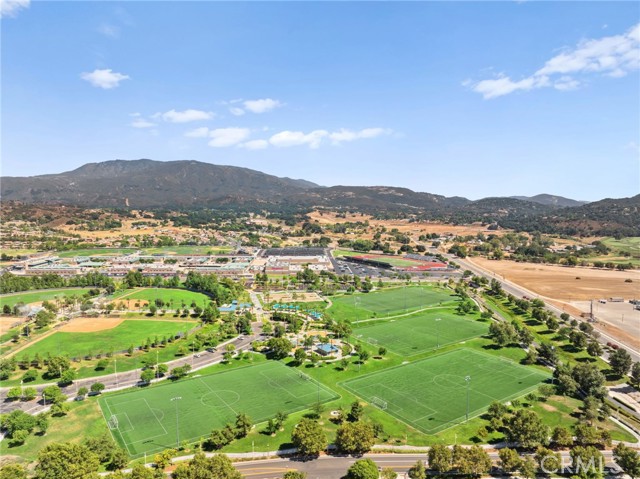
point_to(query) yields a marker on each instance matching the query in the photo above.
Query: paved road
(334, 467)
(129, 378)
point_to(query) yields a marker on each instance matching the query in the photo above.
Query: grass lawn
(422, 331)
(431, 394)
(38, 296)
(170, 296)
(132, 332)
(389, 301)
(146, 419)
(625, 245)
(82, 422)
(72, 253)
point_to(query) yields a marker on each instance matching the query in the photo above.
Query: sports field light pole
(468, 380)
(438, 333)
(115, 367)
(176, 399)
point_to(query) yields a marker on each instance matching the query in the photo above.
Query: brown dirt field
(90, 325)
(7, 322)
(559, 282)
(404, 226)
(300, 297)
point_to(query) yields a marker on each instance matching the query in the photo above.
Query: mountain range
(191, 184)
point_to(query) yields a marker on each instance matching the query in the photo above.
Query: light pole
(468, 380)
(176, 399)
(157, 364)
(438, 333)
(115, 368)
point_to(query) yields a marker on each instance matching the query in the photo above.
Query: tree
(388, 473)
(440, 458)
(17, 420)
(589, 379)
(97, 388)
(363, 469)
(29, 394)
(355, 437)
(475, 461)
(300, 355)
(620, 361)
(526, 429)
(627, 459)
(356, 412)
(42, 423)
(550, 462)
(594, 349)
(53, 395)
(578, 339)
(102, 364)
(18, 437)
(66, 460)
(561, 437)
(502, 333)
(67, 377)
(635, 374)
(14, 393)
(280, 347)
(201, 467)
(509, 460)
(13, 471)
(147, 375)
(586, 462)
(309, 438)
(418, 471)
(293, 475)
(56, 365)
(243, 425)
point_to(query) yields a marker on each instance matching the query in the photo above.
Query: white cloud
(186, 116)
(109, 30)
(349, 135)
(255, 145)
(202, 132)
(142, 123)
(223, 137)
(295, 138)
(11, 8)
(234, 110)
(106, 79)
(261, 106)
(613, 56)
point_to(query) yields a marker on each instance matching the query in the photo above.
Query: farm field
(422, 331)
(415, 393)
(559, 282)
(39, 296)
(145, 420)
(129, 332)
(389, 301)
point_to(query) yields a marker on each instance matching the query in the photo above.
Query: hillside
(190, 185)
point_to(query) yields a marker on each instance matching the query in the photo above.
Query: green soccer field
(131, 332)
(422, 331)
(146, 419)
(390, 301)
(431, 394)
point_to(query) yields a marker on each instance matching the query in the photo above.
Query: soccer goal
(372, 341)
(304, 377)
(380, 403)
(113, 423)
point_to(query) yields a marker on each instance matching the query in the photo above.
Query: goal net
(372, 341)
(380, 403)
(113, 422)
(304, 377)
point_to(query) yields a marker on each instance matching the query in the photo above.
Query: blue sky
(472, 99)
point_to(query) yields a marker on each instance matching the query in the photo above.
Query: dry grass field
(90, 325)
(559, 282)
(284, 297)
